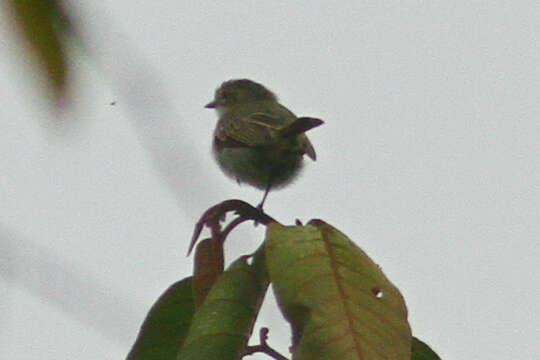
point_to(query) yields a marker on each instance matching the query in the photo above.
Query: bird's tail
(301, 125)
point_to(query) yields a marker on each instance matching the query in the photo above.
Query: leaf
(42, 23)
(223, 324)
(421, 351)
(166, 325)
(338, 301)
(208, 267)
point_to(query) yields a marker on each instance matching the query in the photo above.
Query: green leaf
(166, 325)
(338, 301)
(208, 267)
(223, 324)
(421, 351)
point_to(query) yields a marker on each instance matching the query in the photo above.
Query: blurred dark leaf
(166, 325)
(44, 25)
(338, 301)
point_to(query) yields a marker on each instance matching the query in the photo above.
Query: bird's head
(234, 92)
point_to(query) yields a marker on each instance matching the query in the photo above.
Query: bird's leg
(266, 191)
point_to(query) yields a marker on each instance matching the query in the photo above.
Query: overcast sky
(428, 160)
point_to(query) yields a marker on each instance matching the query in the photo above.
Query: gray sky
(428, 160)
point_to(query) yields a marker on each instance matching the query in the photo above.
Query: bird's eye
(225, 98)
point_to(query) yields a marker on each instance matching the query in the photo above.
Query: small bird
(257, 140)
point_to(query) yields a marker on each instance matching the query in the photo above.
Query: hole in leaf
(377, 292)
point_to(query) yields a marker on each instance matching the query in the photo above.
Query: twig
(216, 213)
(263, 347)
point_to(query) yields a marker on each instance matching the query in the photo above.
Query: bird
(257, 140)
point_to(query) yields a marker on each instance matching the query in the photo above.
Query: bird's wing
(256, 129)
(264, 120)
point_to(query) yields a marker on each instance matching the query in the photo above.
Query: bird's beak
(210, 105)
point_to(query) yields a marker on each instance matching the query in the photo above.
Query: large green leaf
(338, 301)
(166, 325)
(223, 324)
